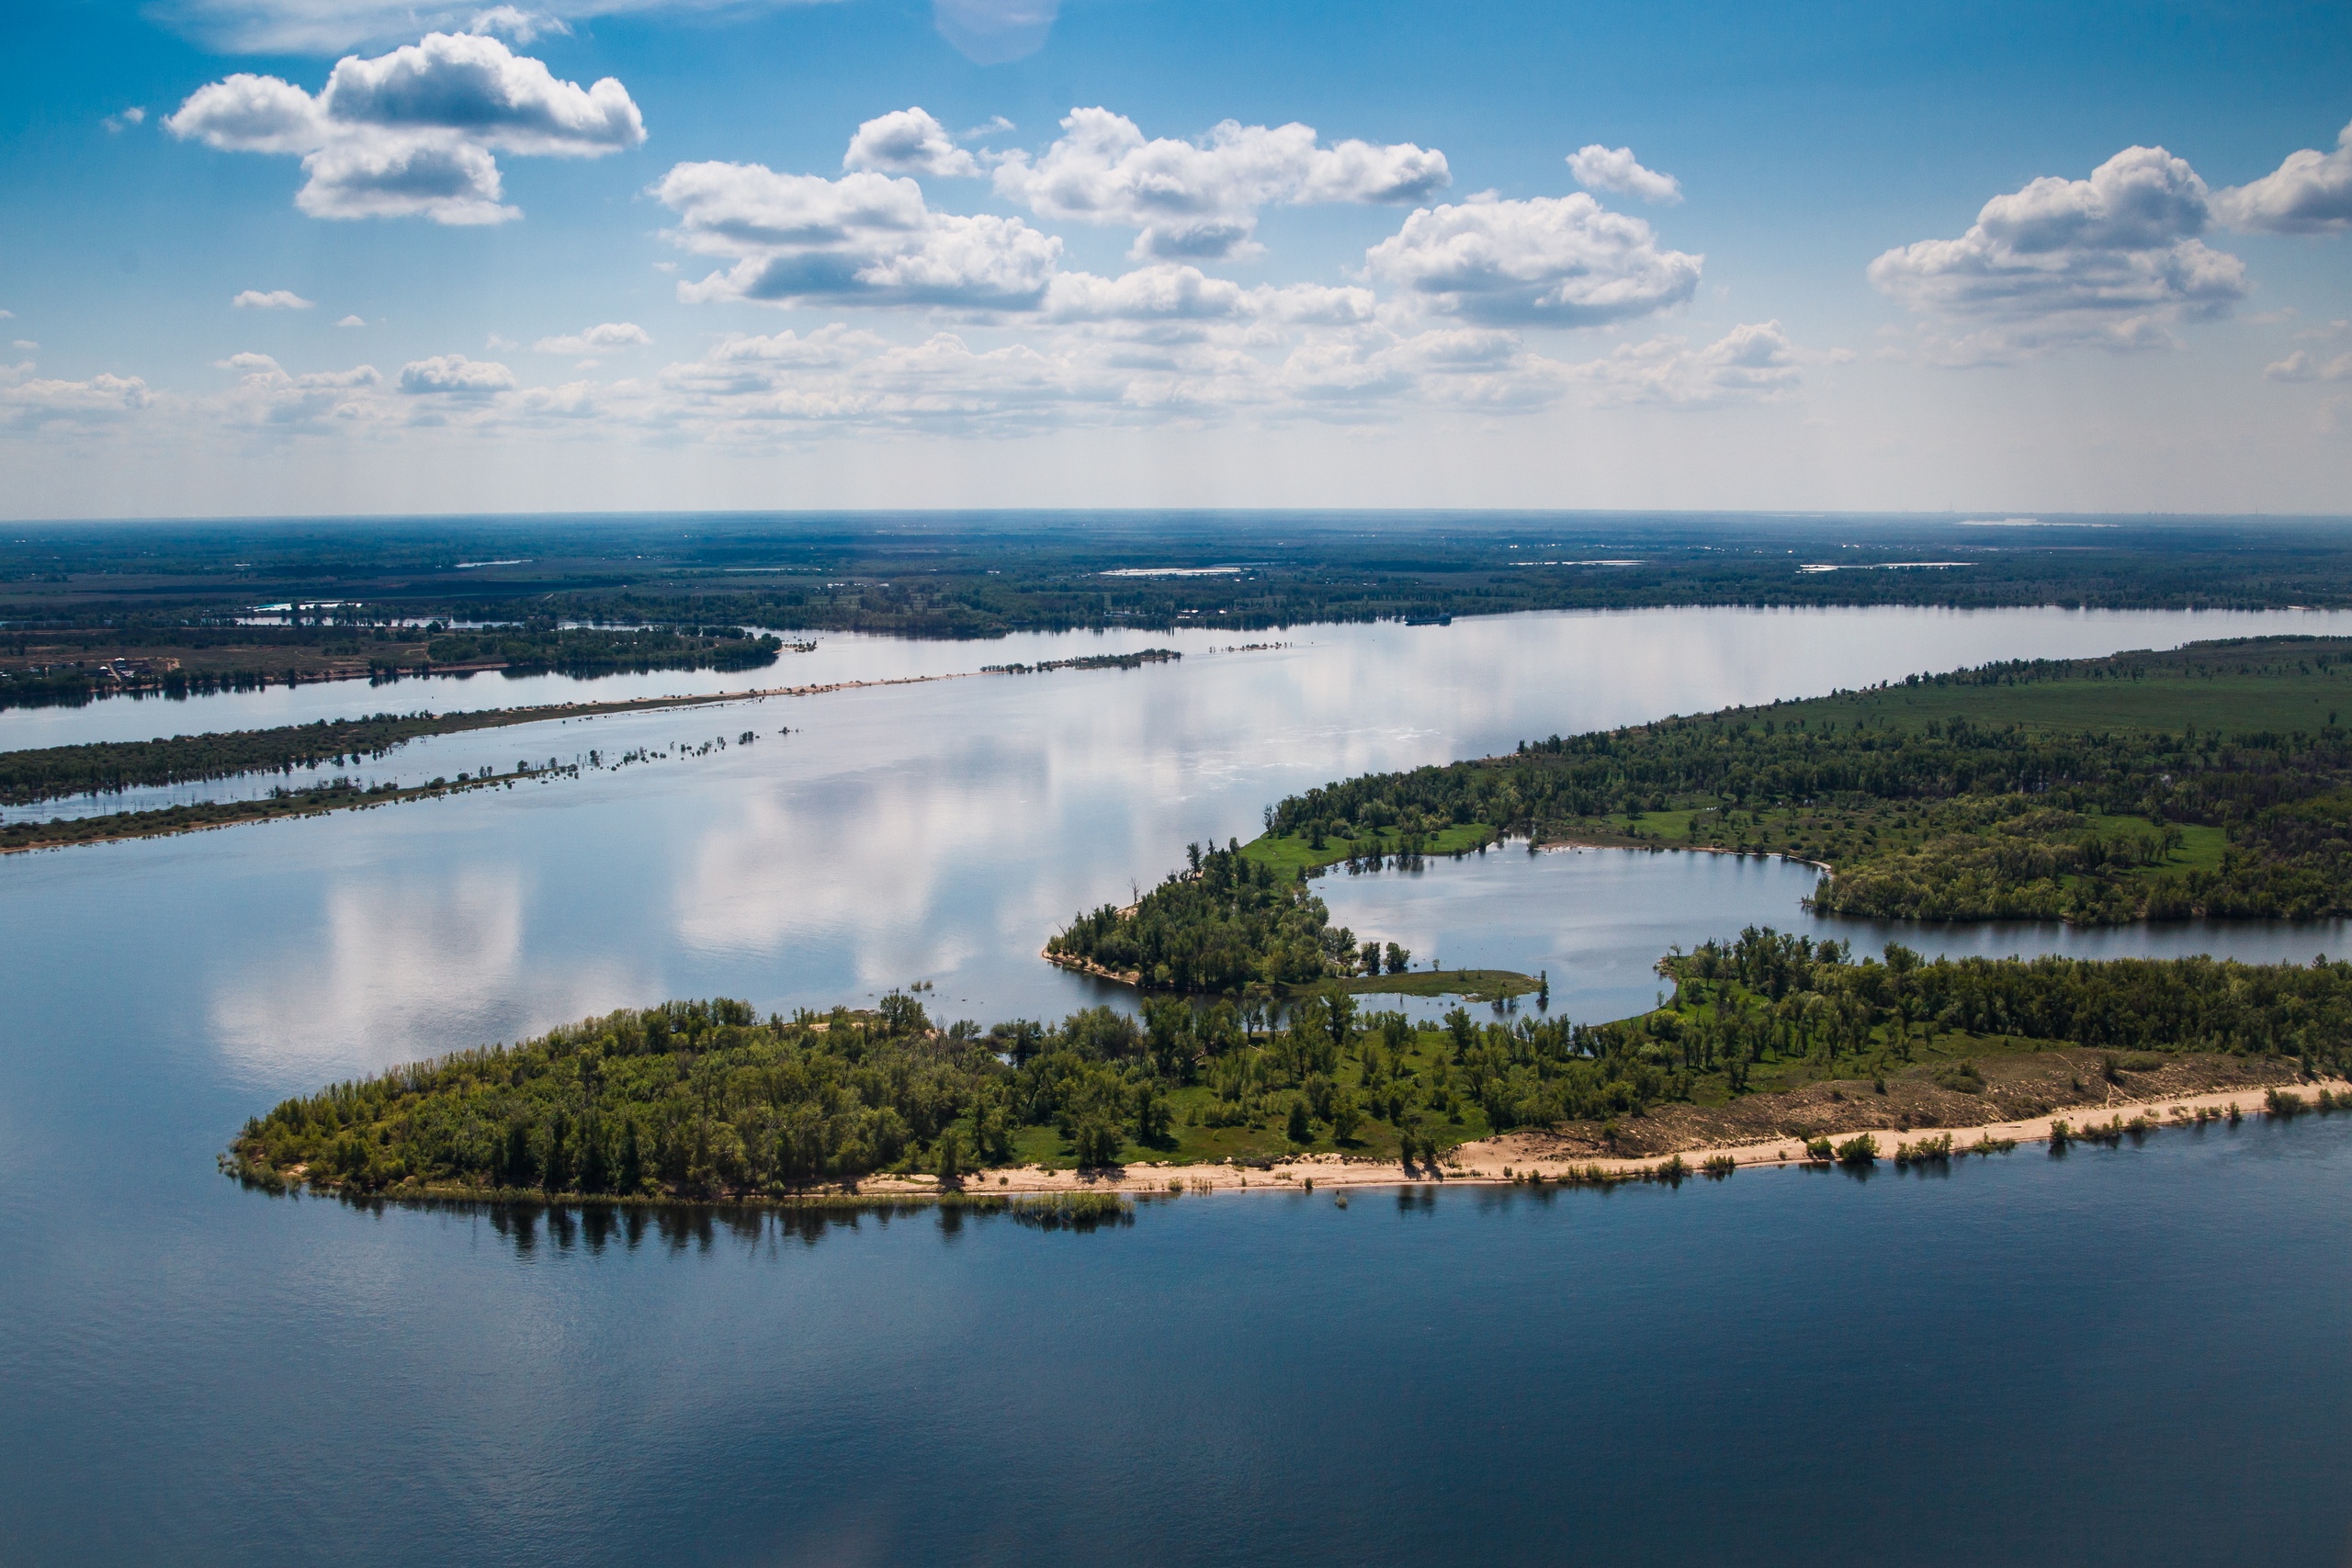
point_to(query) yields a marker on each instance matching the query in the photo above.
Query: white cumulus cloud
(2310, 193)
(1200, 200)
(29, 402)
(1563, 261)
(513, 22)
(352, 322)
(267, 397)
(411, 134)
(608, 334)
(909, 142)
(866, 238)
(2303, 365)
(1616, 169)
(456, 374)
(2110, 262)
(1753, 362)
(273, 299)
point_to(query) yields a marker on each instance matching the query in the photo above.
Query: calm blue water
(2136, 1355)
(1597, 921)
(2125, 1357)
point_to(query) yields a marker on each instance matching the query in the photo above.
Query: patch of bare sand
(1554, 1155)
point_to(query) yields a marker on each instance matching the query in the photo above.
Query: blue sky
(628, 254)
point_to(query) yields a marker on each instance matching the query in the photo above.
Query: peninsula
(1772, 1043)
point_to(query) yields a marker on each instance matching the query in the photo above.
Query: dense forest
(51, 772)
(1230, 921)
(1772, 1000)
(2049, 790)
(2214, 779)
(705, 1099)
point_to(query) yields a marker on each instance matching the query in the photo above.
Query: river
(2003, 1359)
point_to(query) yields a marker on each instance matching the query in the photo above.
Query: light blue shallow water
(2135, 1354)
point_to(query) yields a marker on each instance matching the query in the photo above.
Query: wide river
(2137, 1354)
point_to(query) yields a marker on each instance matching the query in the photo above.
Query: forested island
(1769, 1036)
(2213, 779)
(68, 666)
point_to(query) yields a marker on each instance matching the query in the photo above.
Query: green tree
(1097, 1140)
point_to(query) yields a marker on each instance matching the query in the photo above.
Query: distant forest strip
(1136, 661)
(279, 804)
(42, 668)
(31, 776)
(51, 773)
(981, 576)
(705, 1101)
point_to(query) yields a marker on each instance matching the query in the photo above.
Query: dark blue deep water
(2134, 1356)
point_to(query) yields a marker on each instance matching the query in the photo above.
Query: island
(2215, 780)
(1773, 1044)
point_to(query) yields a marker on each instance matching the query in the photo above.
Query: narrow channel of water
(1597, 921)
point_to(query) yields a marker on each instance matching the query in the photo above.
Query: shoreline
(1485, 1162)
(1545, 846)
(1509, 1161)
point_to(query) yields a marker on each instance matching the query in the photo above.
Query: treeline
(1090, 661)
(1228, 922)
(1770, 997)
(50, 771)
(585, 651)
(95, 767)
(239, 658)
(1951, 819)
(704, 1100)
(978, 576)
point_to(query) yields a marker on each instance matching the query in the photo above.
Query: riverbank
(1518, 1157)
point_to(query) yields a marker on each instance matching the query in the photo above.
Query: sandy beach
(1516, 1155)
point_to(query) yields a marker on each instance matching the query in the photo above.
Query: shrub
(1719, 1166)
(1937, 1149)
(1074, 1210)
(1861, 1150)
(1962, 1077)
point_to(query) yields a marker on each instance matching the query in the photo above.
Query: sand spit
(1516, 1155)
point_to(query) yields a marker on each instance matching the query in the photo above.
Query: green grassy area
(1476, 984)
(1296, 854)
(2220, 688)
